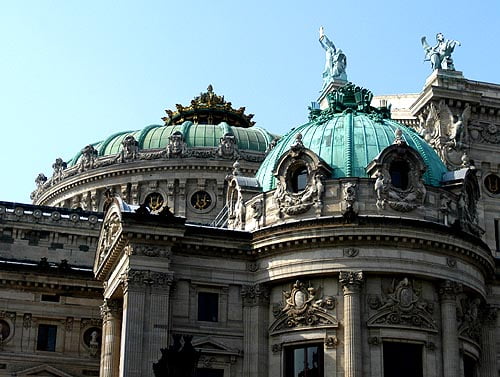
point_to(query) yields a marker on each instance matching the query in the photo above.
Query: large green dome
(348, 135)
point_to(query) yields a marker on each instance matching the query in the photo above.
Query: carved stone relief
(469, 318)
(254, 294)
(448, 134)
(111, 229)
(349, 205)
(399, 198)
(228, 147)
(130, 149)
(142, 278)
(58, 175)
(301, 307)
(402, 306)
(293, 201)
(177, 146)
(88, 158)
(467, 204)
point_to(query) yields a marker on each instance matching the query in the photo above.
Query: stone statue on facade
(440, 54)
(336, 61)
(88, 159)
(228, 147)
(177, 146)
(59, 165)
(40, 182)
(130, 149)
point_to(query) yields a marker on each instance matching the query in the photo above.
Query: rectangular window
(304, 361)
(402, 359)
(207, 372)
(46, 340)
(208, 306)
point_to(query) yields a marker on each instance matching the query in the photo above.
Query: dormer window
(298, 179)
(399, 172)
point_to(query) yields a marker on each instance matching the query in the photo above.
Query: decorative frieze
(145, 278)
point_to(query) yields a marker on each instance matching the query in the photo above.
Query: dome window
(298, 179)
(399, 172)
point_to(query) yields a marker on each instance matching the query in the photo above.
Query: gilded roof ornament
(209, 108)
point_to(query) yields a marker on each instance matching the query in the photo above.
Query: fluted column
(255, 324)
(110, 348)
(351, 282)
(488, 343)
(449, 328)
(134, 293)
(157, 319)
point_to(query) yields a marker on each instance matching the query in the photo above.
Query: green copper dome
(203, 123)
(348, 135)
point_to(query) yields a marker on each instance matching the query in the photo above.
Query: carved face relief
(228, 147)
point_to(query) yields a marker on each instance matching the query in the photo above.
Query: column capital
(254, 295)
(448, 290)
(111, 308)
(140, 279)
(351, 281)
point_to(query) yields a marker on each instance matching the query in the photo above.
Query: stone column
(488, 343)
(134, 293)
(255, 324)
(449, 328)
(157, 319)
(351, 282)
(110, 348)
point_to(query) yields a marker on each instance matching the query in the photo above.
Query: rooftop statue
(336, 61)
(440, 54)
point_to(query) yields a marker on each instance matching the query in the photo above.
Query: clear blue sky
(74, 72)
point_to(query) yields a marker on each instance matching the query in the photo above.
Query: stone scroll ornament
(402, 306)
(301, 307)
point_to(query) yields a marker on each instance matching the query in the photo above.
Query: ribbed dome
(348, 135)
(202, 123)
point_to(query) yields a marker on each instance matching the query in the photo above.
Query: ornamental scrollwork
(301, 307)
(111, 229)
(402, 306)
(151, 251)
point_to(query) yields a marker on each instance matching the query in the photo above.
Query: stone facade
(322, 276)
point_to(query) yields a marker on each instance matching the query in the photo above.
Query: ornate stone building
(362, 243)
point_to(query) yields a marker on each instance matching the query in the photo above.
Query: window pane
(46, 340)
(402, 359)
(208, 306)
(306, 361)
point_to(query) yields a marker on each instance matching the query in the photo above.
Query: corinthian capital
(448, 290)
(140, 279)
(110, 308)
(254, 294)
(351, 280)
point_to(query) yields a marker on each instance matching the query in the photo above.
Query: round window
(492, 184)
(154, 201)
(201, 200)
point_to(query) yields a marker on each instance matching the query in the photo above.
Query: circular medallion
(4, 330)
(154, 201)
(201, 200)
(92, 336)
(492, 184)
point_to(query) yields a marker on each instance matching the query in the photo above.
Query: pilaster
(351, 282)
(488, 342)
(255, 323)
(449, 329)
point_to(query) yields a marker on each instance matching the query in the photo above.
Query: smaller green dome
(348, 135)
(203, 123)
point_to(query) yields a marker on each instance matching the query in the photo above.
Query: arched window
(399, 171)
(298, 179)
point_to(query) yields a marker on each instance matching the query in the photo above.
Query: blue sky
(74, 72)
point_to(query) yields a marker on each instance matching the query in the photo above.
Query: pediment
(210, 345)
(43, 371)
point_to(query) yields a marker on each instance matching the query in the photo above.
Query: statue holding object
(440, 54)
(336, 61)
